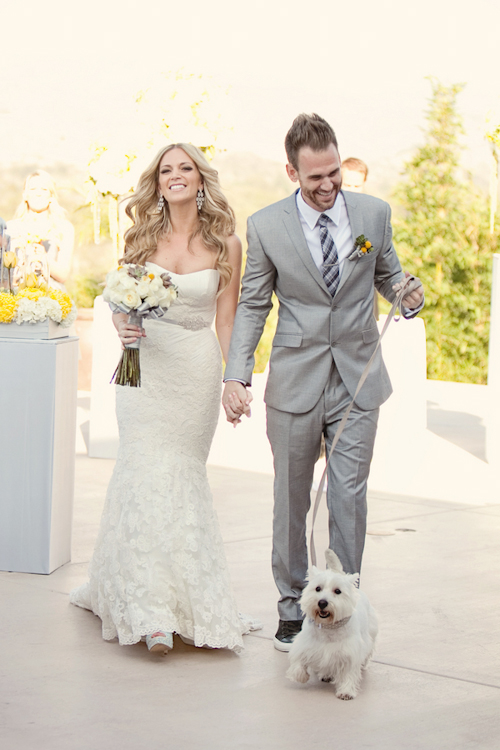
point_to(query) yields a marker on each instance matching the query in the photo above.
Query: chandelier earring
(200, 198)
(159, 207)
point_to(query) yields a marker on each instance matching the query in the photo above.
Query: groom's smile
(319, 176)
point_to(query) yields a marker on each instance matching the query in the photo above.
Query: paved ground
(430, 569)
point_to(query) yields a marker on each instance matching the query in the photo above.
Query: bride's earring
(159, 207)
(200, 198)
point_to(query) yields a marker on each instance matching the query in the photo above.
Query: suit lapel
(294, 229)
(356, 222)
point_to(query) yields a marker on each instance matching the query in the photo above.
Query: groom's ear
(292, 172)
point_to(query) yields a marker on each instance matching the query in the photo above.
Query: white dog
(339, 631)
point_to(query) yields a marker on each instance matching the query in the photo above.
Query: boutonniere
(362, 246)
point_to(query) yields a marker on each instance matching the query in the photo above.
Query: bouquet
(140, 293)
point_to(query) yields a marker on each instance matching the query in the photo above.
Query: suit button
(334, 343)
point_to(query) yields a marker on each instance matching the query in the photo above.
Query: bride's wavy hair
(216, 220)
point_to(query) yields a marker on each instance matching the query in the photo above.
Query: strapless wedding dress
(159, 562)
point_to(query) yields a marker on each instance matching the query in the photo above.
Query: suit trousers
(296, 442)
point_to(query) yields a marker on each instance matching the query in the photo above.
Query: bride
(159, 565)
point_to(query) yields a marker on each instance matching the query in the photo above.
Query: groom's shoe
(287, 630)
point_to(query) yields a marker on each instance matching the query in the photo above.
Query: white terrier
(339, 631)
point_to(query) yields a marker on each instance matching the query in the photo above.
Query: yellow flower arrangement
(16, 308)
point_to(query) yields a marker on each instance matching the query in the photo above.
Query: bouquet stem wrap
(128, 371)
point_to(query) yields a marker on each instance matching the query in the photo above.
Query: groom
(311, 250)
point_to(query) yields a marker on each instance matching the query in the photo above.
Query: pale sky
(69, 71)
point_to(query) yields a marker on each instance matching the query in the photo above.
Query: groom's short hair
(308, 130)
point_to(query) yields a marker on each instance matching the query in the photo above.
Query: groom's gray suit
(319, 352)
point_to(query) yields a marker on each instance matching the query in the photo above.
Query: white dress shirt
(340, 229)
(338, 226)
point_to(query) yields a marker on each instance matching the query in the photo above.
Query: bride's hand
(128, 333)
(236, 401)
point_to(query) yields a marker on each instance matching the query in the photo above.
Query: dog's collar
(330, 626)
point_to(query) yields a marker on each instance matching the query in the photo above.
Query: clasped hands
(236, 401)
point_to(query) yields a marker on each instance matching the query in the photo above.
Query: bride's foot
(160, 642)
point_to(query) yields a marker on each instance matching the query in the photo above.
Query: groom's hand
(415, 295)
(236, 401)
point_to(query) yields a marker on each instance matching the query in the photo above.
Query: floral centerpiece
(33, 301)
(140, 293)
(34, 305)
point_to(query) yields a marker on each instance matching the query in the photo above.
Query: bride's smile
(179, 177)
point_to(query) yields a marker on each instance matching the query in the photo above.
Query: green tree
(493, 137)
(442, 235)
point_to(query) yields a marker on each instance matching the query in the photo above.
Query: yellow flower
(364, 249)
(63, 299)
(10, 259)
(8, 304)
(31, 281)
(151, 276)
(368, 244)
(33, 294)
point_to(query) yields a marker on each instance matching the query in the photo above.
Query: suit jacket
(314, 328)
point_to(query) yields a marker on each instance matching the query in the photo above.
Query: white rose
(144, 287)
(152, 300)
(156, 284)
(167, 297)
(127, 282)
(113, 278)
(132, 299)
(114, 296)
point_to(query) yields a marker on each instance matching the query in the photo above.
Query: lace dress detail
(159, 562)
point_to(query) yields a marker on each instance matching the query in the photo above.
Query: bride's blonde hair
(216, 220)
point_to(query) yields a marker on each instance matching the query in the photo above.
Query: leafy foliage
(84, 289)
(442, 236)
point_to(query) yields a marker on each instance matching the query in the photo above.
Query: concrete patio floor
(430, 569)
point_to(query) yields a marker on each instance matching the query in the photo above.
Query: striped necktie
(330, 268)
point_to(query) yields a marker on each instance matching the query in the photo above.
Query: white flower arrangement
(140, 293)
(35, 311)
(134, 287)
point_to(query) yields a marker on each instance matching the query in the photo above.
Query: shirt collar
(311, 216)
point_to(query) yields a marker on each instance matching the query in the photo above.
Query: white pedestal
(106, 353)
(38, 387)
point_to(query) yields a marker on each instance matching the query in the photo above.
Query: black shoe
(287, 630)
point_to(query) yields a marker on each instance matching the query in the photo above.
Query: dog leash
(409, 284)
